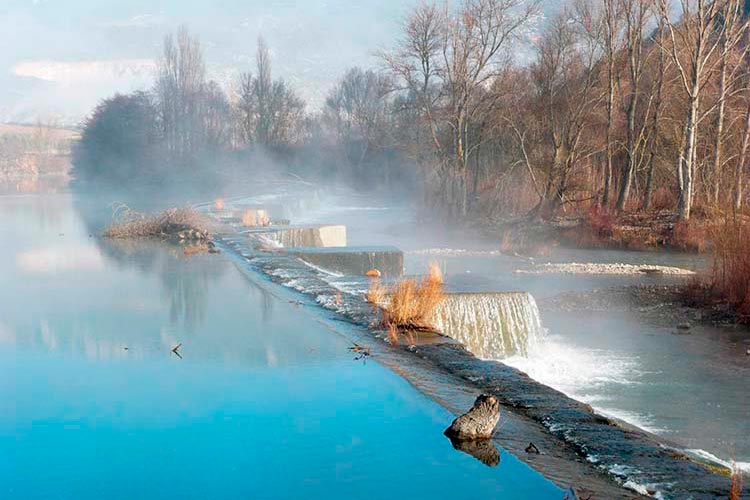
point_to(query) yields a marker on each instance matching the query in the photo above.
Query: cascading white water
(491, 325)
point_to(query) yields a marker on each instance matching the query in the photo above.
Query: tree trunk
(720, 123)
(608, 167)
(687, 160)
(655, 125)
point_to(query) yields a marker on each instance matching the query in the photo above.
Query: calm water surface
(264, 403)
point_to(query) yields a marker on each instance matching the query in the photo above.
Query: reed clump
(409, 304)
(181, 223)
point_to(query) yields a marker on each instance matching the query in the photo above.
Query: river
(261, 400)
(687, 388)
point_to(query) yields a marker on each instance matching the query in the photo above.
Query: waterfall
(323, 235)
(491, 325)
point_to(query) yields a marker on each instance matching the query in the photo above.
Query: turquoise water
(265, 401)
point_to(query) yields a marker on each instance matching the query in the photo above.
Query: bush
(168, 224)
(120, 141)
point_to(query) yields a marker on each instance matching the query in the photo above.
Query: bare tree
(449, 58)
(734, 27)
(270, 113)
(741, 164)
(565, 75)
(611, 33)
(692, 45)
(179, 86)
(635, 13)
(658, 93)
(358, 111)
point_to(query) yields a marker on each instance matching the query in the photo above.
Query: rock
(477, 423)
(684, 326)
(373, 273)
(531, 448)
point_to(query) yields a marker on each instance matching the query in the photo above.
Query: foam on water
(584, 374)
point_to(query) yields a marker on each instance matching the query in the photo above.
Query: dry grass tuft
(412, 304)
(128, 223)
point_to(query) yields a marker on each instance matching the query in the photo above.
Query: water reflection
(35, 184)
(185, 284)
(483, 450)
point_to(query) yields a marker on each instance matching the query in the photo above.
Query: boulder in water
(477, 423)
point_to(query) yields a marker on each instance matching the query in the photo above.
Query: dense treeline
(187, 129)
(622, 105)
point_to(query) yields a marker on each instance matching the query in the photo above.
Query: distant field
(51, 132)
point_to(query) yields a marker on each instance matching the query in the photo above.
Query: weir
(302, 236)
(272, 210)
(491, 325)
(355, 261)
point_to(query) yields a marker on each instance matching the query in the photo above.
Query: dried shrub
(412, 304)
(730, 275)
(596, 230)
(128, 223)
(691, 236)
(600, 222)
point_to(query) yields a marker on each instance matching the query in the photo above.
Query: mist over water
(686, 388)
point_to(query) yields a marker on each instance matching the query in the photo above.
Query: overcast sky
(60, 57)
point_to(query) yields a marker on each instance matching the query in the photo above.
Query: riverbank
(672, 305)
(655, 230)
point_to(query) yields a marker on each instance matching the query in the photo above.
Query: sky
(60, 57)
